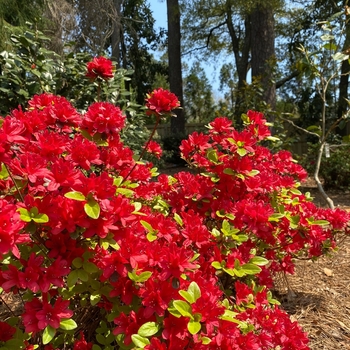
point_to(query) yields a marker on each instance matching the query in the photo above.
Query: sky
(159, 10)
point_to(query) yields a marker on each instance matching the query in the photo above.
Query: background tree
(200, 105)
(175, 67)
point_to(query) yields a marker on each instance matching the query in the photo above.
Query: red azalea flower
(52, 315)
(103, 117)
(161, 102)
(154, 148)
(6, 331)
(100, 67)
(82, 344)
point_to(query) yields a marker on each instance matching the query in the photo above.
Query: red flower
(103, 117)
(161, 102)
(6, 331)
(52, 315)
(154, 148)
(82, 344)
(100, 67)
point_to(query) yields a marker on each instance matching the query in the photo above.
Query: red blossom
(100, 67)
(6, 331)
(154, 148)
(160, 102)
(51, 315)
(103, 118)
(82, 344)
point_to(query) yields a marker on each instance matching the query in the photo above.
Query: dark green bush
(335, 170)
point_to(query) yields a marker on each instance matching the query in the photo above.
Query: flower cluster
(161, 102)
(100, 67)
(105, 256)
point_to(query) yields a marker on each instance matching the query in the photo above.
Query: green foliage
(335, 169)
(31, 69)
(198, 95)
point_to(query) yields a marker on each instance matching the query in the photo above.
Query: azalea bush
(101, 253)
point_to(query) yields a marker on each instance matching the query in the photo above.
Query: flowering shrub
(104, 256)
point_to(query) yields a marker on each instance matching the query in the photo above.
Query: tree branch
(208, 39)
(287, 78)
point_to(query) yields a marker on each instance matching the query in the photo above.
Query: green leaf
(92, 208)
(90, 267)
(95, 299)
(241, 151)
(78, 196)
(339, 56)
(68, 324)
(330, 46)
(250, 269)
(25, 215)
(259, 260)
(194, 290)
(41, 218)
(205, 340)
(276, 217)
(151, 237)
(183, 308)
(272, 138)
(216, 265)
(229, 316)
(82, 275)
(143, 276)
(194, 327)
(48, 334)
(139, 341)
(320, 222)
(148, 329)
(187, 296)
(77, 262)
(233, 272)
(73, 278)
(3, 173)
(327, 37)
(228, 171)
(178, 219)
(213, 156)
(253, 172)
(147, 226)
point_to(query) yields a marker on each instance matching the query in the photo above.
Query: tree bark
(116, 31)
(343, 105)
(263, 51)
(175, 68)
(241, 50)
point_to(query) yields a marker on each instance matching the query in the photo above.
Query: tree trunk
(343, 105)
(175, 69)
(241, 49)
(116, 31)
(263, 51)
